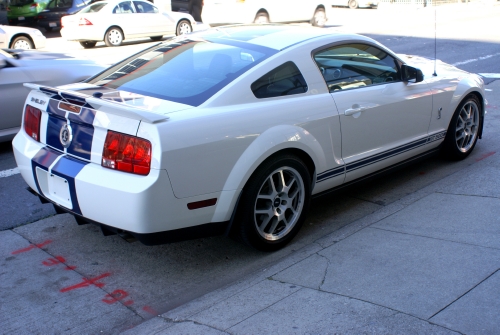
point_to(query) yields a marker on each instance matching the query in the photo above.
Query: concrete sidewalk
(425, 264)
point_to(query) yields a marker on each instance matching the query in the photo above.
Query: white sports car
(233, 130)
(114, 21)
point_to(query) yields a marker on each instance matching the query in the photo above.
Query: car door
(12, 93)
(124, 17)
(149, 18)
(383, 119)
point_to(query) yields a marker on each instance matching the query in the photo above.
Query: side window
(144, 7)
(356, 65)
(123, 8)
(284, 80)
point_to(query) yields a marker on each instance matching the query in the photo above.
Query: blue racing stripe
(82, 140)
(53, 107)
(43, 159)
(54, 125)
(68, 168)
(331, 173)
(87, 116)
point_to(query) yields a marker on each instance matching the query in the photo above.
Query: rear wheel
(113, 37)
(463, 131)
(274, 203)
(156, 38)
(22, 42)
(319, 18)
(261, 17)
(88, 44)
(353, 4)
(183, 27)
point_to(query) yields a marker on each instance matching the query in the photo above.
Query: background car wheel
(261, 17)
(463, 131)
(274, 203)
(22, 42)
(319, 18)
(88, 44)
(113, 37)
(156, 38)
(183, 27)
(353, 4)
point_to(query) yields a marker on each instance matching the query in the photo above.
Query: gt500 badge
(66, 135)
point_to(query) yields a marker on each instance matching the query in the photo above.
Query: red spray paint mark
(117, 295)
(57, 260)
(421, 173)
(31, 247)
(87, 282)
(149, 310)
(486, 155)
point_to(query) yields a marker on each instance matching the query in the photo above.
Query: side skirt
(382, 172)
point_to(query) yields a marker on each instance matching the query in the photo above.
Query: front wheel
(274, 203)
(183, 27)
(261, 18)
(463, 131)
(88, 44)
(319, 18)
(113, 37)
(22, 42)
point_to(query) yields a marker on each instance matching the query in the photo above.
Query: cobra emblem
(66, 135)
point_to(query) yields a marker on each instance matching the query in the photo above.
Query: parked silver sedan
(21, 38)
(22, 66)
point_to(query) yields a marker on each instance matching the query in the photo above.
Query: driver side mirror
(412, 74)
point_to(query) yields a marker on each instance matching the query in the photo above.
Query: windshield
(21, 2)
(187, 71)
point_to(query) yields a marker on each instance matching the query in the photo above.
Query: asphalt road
(140, 282)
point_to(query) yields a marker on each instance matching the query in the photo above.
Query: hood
(428, 65)
(14, 30)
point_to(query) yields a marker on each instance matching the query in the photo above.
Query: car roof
(273, 36)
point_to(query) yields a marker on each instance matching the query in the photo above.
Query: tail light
(34, 5)
(126, 153)
(84, 22)
(32, 117)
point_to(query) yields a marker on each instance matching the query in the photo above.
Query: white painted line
(490, 75)
(476, 59)
(8, 173)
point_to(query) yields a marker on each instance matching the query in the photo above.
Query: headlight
(37, 32)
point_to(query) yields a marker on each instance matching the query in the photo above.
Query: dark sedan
(50, 18)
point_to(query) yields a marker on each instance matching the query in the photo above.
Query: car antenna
(435, 40)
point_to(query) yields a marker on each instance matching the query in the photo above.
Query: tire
(183, 27)
(113, 37)
(22, 42)
(462, 134)
(88, 44)
(156, 38)
(353, 4)
(319, 18)
(270, 214)
(261, 18)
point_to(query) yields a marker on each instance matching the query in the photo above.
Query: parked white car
(218, 12)
(233, 130)
(114, 21)
(21, 38)
(45, 68)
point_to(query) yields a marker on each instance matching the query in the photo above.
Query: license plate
(52, 24)
(54, 187)
(20, 18)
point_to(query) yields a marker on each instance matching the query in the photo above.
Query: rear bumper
(140, 205)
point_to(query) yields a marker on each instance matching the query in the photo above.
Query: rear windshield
(21, 2)
(94, 7)
(186, 71)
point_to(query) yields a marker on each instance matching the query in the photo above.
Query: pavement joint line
(9, 172)
(465, 293)
(470, 195)
(434, 238)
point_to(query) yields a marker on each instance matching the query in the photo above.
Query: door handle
(355, 110)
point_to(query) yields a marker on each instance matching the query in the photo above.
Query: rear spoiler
(103, 105)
